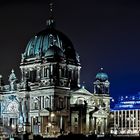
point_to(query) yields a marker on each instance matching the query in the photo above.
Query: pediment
(100, 113)
(83, 91)
(44, 112)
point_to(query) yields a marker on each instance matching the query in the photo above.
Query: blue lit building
(126, 115)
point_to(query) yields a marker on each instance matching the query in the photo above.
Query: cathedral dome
(101, 76)
(40, 46)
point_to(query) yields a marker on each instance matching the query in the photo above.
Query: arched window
(36, 106)
(61, 102)
(27, 74)
(32, 77)
(70, 74)
(47, 102)
(62, 72)
(55, 70)
(80, 100)
(45, 72)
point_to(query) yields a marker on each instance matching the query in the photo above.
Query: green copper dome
(39, 46)
(101, 76)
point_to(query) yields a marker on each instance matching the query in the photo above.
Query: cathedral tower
(102, 103)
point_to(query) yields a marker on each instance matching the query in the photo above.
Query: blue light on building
(127, 103)
(126, 115)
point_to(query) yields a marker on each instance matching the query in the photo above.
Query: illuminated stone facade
(126, 116)
(48, 100)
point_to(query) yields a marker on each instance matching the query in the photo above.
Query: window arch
(46, 72)
(32, 77)
(80, 100)
(47, 102)
(61, 102)
(36, 105)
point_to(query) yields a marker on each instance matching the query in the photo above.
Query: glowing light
(13, 126)
(112, 100)
(52, 114)
(49, 124)
(111, 115)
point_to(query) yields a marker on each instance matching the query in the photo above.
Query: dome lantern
(50, 22)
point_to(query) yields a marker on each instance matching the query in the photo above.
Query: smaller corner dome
(101, 76)
(54, 51)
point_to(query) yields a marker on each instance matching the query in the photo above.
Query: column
(61, 123)
(78, 76)
(93, 124)
(51, 73)
(72, 123)
(38, 73)
(125, 119)
(87, 123)
(40, 124)
(52, 99)
(115, 116)
(41, 102)
(26, 110)
(66, 101)
(60, 75)
(104, 126)
(133, 120)
(122, 120)
(129, 120)
(118, 119)
(32, 124)
(80, 121)
(136, 120)
(22, 75)
(106, 123)
(44, 102)
(48, 72)
(72, 77)
(139, 119)
(51, 69)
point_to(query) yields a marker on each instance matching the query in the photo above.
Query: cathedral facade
(48, 100)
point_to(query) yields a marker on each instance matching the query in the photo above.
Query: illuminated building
(48, 100)
(126, 116)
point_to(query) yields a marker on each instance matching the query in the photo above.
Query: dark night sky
(105, 33)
